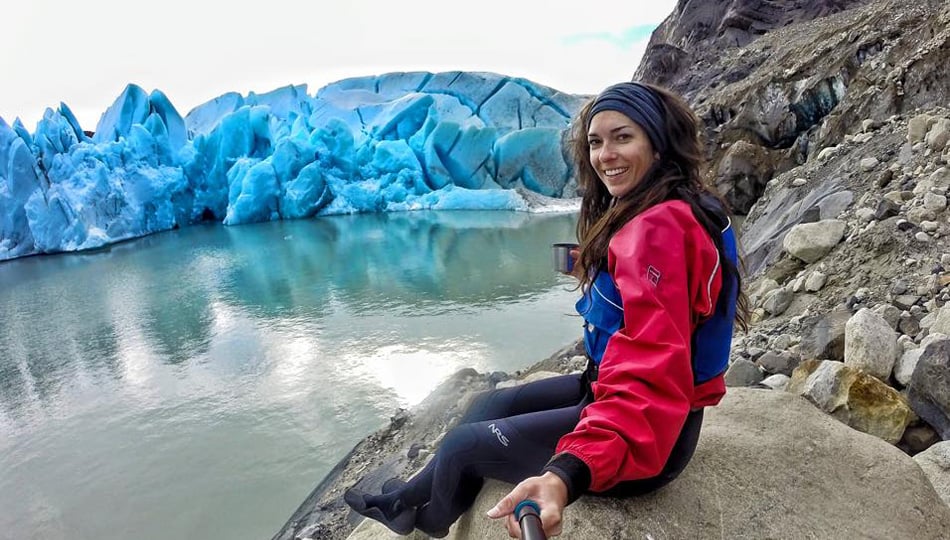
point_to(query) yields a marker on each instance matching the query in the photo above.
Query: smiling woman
(660, 292)
(620, 152)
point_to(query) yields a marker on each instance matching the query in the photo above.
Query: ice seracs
(395, 142)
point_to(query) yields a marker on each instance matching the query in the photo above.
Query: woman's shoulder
(673, 214)
(664, 226)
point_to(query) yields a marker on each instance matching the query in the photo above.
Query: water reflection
(71, 314)
(236, 365)
(402, 261)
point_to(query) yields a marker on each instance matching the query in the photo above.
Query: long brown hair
(676, 175)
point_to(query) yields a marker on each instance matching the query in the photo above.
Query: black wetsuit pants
(509, 435)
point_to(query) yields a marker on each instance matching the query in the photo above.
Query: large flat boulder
(769, 465)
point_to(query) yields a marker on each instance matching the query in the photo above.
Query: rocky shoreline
(403, 447)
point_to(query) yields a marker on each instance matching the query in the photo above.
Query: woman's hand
(547, 490)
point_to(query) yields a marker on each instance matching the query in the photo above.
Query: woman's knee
(461, 438)
(489, 404)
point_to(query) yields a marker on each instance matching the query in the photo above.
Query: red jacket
(667, 270)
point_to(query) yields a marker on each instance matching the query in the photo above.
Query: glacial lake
(199, 383)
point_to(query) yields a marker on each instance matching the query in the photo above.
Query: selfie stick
(528, 515)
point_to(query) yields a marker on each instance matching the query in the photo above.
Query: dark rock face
(929, 390)
(779, 211)
(792, 77)
(697, 30)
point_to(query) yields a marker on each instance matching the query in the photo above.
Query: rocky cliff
(776, 81)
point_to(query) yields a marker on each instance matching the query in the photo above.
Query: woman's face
(620, 151)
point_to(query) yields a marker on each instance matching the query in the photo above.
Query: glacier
(393, 142)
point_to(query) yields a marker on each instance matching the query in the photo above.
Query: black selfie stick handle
(528, 515)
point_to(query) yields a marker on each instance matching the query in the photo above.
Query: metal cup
(563, 262)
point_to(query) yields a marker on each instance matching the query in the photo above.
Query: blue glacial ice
(396, 142)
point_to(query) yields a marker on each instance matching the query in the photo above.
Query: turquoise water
(199, 383)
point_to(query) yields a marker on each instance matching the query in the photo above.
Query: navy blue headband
(640, 104)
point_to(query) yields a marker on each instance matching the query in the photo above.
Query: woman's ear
(656, 156)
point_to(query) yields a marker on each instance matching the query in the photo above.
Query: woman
(658, 270)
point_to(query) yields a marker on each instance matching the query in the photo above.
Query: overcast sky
(85, 52)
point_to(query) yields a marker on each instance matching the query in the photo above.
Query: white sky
(85, 52)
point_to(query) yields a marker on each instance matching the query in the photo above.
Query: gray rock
(941, 323)
(918, 438)
(823, 387)
(778, 362)
(935, 462)
(743, 372)
(906, 343)
(919, 214)
(908, 324)
(778, 381)
(862, 294)
(815, 281)
(577, 363)
(929, 226)
(833, 205)
(906, 364)
(918, 126)
(890, 313)
(895, 197)
(906, 154)
(923, 237)
(864, 214)
(934, 202)
(777, 301)
(905, 301)
(932, 337)
(929, 389)
(743, 168)
(784, 269)
(899, 287)
(924, 185)
(870, 344)
(854, 397)
(938, 135)
(798, 284)
(824, 337)
(876, 490)
(812, 241)
(782, 342)
(765, 228)
(941, 177)
(766, 286)
(868, 164)
(885, 178)
(827, 153)
(887, 209)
